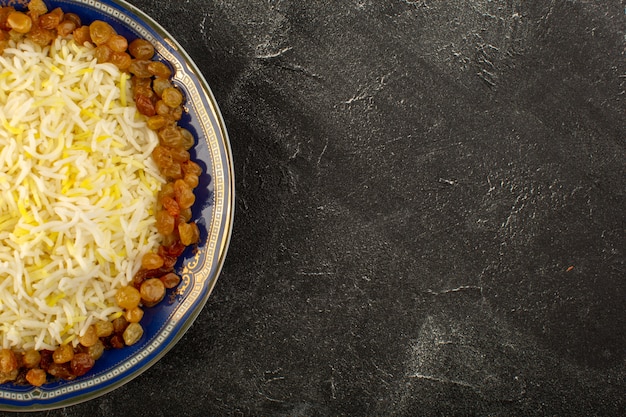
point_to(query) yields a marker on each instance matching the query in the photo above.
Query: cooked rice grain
(77, 192)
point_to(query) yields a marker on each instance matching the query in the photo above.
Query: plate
(198, 267)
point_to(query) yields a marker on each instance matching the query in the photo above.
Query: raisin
(159, 69)
(61, 370)
(63, 354)
(133, 333)
(144, 105)
(31, 358)
(170, 280)
(171, 206)
(81, 363)
(172, 97)
(8, 361)
(141, 49)
(117, 43)
(51, 20)
(100, 32)
(151, 261)
(165, 222)
(127, 297)
(183, 194)
(152, 291)
(19, 22)
(36, 377)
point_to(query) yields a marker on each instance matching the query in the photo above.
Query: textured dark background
(415, 180)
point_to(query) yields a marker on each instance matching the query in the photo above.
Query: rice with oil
(78, 190)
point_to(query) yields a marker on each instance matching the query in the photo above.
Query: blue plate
(213, 211)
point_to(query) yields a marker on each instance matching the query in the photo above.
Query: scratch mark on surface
(299, 69)
(359, 97)
(319, 159)
(267, 397)
(491, 186)
(368, 92)
(487, 77)
(273, 54)
(446, 181)
(457, 289)
(203, 25)
(315, 273)
(444, 380)
(418, 3)
(297, 151)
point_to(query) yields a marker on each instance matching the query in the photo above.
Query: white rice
(77, 192)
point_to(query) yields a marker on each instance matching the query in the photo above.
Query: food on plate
(96, 191)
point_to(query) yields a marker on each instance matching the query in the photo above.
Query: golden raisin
(37, 7)
(51, 20)
(172, 97)
(65, 28)
(81, 35)
(143, 89)
(192, 168)
(173, 172)
(19, 22)
(74, 18)
(41, 36)
(60, 370)
(96, 350)
(104, 328)
(8, 361)
(162, 157)
(137, 82)
(162, 108)
(133, 333)
(159, 69)
(120, 324)
(171, 206)
(183, 194)
(31, 358)
(170, 136)
(90, 337)
(180, 155)
(170, 280)
(191, 180)
(152, 291)
(36, 377)
(139, 68)
(188, 139)
(117, 43)
(186, 214)
(141, 49)
(167, 190)
(127, 297)
(103, 54)
(100, 32)
(151, 260)
(156, 122)
(176, 113)
(160, 84)
(188, 233)
(134, 315)
(121, 60)
(165, 222)
(63, 354)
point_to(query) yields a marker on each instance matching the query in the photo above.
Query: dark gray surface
(415, 182)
